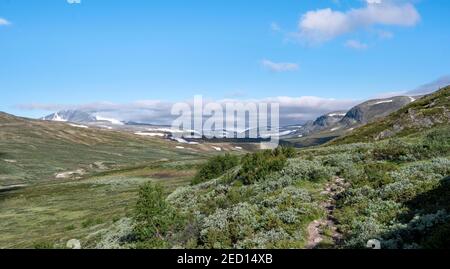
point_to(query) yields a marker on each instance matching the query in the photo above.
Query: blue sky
(56, 53)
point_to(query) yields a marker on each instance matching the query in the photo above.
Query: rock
(73, 244)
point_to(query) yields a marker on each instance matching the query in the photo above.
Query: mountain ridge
(429, 111)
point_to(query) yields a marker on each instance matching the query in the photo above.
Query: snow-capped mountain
(78, 116)
(71, 116)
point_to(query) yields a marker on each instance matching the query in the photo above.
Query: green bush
(215, 167)
(226, 227)
(258, 165)
(288, 152)
(155, 218)
(395, 150)
(307, 170)
(438, 141)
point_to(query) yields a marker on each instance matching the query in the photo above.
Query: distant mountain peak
(70, 116)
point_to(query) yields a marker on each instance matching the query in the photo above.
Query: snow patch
(150, 134)
(164, 130)
(57, 117)
(276, 134)
(63, 175)
(384, 102)
(78, 126)
(336, 114)
(179, 147)
(183, 141)
(180, 140)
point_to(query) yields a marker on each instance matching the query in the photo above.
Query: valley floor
(50, 214)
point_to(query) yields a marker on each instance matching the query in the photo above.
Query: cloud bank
(293, 110)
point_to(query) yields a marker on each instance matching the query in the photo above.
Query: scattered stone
(73, 244)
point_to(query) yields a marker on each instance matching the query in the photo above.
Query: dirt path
(317, 228)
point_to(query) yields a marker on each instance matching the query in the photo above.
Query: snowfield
(78, 126)
(150, 134)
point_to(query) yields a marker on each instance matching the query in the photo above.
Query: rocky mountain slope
(427, 112)
(336, 124)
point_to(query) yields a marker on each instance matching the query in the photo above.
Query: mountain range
(334, 122)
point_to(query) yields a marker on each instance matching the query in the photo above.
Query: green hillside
(387, 181)
(33, 151)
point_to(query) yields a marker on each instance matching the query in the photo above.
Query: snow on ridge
(336, 114)
(384, 102)
(277, 134)
(57, 117)
(412, 99)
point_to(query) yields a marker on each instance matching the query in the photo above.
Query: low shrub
(226, 227)
(395, 150)
(438, 141)
(307, 170)
(259, 165)
(215, 167)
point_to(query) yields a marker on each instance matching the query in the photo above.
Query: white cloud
(4, 22)
(325, 24)
(293, 110)
(355, 44)
(74, 1)
(279, 67)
